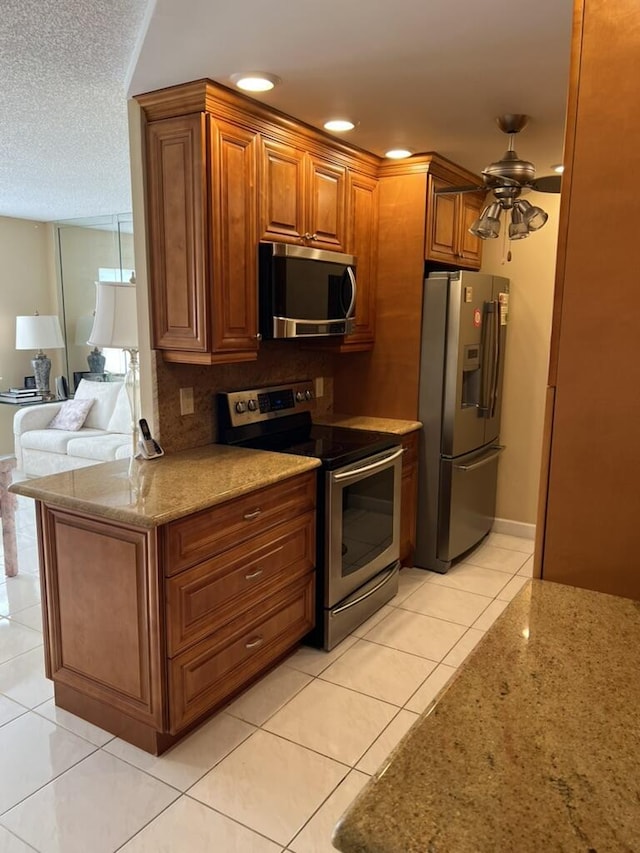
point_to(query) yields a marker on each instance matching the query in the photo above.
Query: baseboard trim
(514, 528)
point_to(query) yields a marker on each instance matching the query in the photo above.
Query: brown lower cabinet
(146, 642)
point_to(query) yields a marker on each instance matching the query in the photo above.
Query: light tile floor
(271, 772)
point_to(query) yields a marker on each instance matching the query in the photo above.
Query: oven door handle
(392, 569)
(381, 463)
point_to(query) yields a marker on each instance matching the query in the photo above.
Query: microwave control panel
(261, 404)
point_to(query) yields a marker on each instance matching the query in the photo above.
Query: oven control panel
(261, 404)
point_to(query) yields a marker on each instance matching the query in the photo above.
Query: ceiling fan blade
(468, 189)
(547, 184)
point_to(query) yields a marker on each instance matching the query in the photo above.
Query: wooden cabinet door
(282, 191)
(232, 189)
(104, 613)
(326, 198)
(442, 224)
(177, 231)
(470, 247)
(362, 219)
(409, 497)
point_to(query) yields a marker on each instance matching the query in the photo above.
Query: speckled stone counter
(148, 493)
(533, 747)
(393, 425)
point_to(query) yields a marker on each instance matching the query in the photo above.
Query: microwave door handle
(352, 304)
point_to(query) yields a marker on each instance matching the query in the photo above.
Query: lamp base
(41, 365)
(96, 361)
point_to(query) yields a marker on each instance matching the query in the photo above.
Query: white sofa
(105, 435)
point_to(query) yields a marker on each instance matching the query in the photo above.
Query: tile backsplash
(278, 362)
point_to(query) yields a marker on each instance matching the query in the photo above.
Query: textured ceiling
(428, 74)
(63, 132)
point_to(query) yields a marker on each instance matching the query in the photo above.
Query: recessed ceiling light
(339, 124)
(558, 168)
(255, 81)
(398, 153)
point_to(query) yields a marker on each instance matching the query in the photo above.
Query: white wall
(27, 285)
(531, 272)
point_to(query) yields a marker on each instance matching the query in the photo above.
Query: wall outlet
(186, 401)
(319, 386)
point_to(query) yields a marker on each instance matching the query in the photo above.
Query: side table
(8, 515)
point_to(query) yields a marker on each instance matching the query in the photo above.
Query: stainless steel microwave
(305, 292)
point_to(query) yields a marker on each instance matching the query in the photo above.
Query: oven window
(367, 520)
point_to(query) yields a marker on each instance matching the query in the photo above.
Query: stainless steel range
(358, 518)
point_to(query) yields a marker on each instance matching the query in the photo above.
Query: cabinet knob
(258, 337)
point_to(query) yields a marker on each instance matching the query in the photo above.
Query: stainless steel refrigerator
(464, 325)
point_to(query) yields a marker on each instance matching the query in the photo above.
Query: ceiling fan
(509, 177)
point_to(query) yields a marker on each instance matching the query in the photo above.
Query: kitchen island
(532, 747)
(169, 585)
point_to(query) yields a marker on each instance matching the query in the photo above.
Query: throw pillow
(72, 415)
(104, 396)
(120, 420)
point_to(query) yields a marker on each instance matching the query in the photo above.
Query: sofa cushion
(72, 415)
(104, 395)
(120, 420)
(102, 449)
(54, 440)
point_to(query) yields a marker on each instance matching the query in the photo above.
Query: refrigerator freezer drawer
(467, 500)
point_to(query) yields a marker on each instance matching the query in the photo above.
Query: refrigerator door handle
(488, 360)
(497, 355)
(497, 450)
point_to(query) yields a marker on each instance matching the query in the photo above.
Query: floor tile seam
(483, 612)
(469, 562)
(13, 612)
(316, 674)
(339, 761)
(53, 779)
(371, 745)
(164, 781)
(455, 668)
(19, 837)
(415, 654)
(502, 574)
(279, 708)
(427, 616)
(244, 825)
(71, 731)
(150, 821)
(22, 625)
(17, 716)
(450, 621)
(359, 692)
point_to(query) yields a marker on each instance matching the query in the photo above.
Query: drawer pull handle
(253, 644)
(253, 575)
(249, 516)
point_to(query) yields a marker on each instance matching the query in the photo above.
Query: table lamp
(95, 359)
(38, 332)
(115, 325)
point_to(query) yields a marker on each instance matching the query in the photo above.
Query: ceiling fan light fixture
(487, 225)
(254, 81)
(534, 217)
(518, 229)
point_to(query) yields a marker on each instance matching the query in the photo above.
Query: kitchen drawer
(201, 599)
(190, 540)
(202, 678)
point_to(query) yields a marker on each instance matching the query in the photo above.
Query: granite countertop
(533, 747)
(392, 425)
(148, 493)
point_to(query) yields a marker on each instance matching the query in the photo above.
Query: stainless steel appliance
(464, 324)
(305, 292)
(358, 508)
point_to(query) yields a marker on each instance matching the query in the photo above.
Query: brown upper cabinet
(222, 173)
(201, 186)
(303, 197)
(449, 216)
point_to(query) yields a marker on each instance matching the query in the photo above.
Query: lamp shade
(39, 331)
(115, 324)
